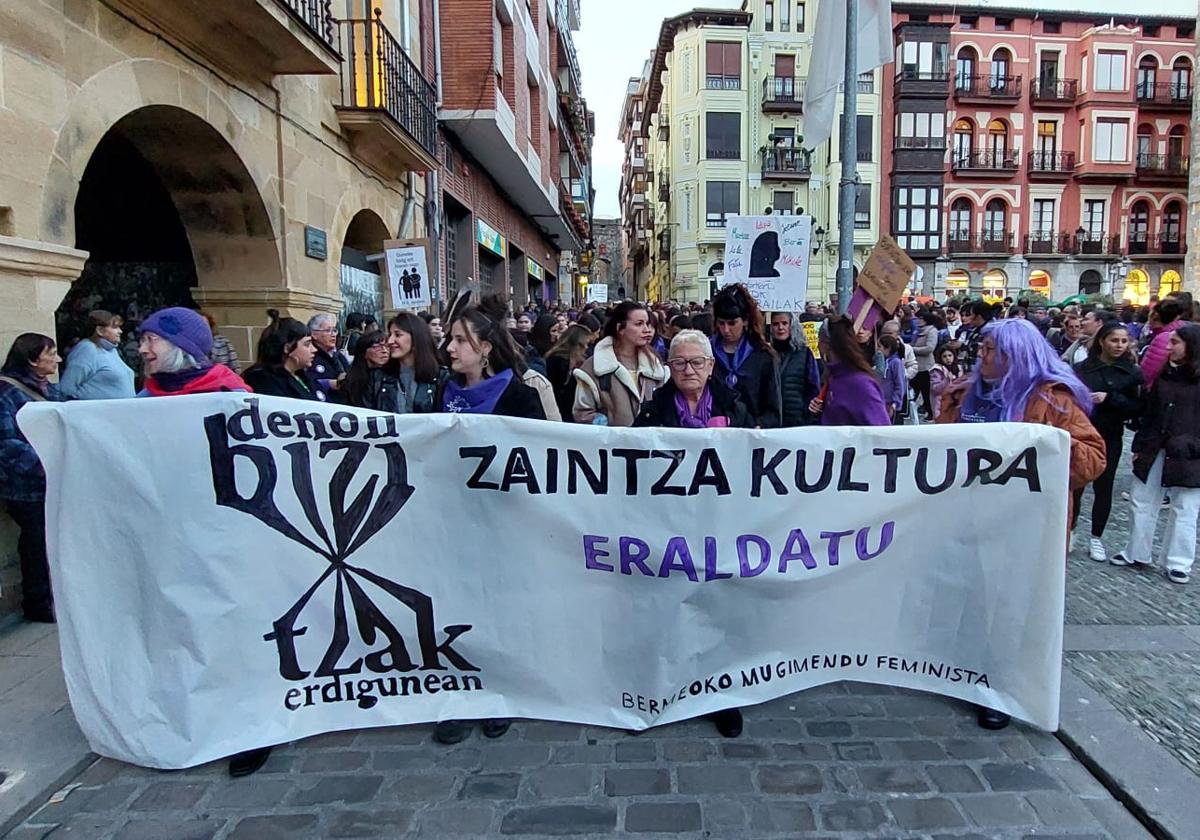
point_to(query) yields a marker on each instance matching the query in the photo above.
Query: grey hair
(175, 360)
(315, 322)
(691, 337)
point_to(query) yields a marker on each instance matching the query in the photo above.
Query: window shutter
(714, 58)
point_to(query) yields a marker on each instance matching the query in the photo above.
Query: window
(918, 218)
(1172, 227)
(1145, 145)
(1139, 228)
(1151, 31)
(784, 137)
(1052, 27)
(801, 17)
(960, 220)
(1004, 24)
(784, 22)
(1111, 141)
(964, 69)
(921, 131)
(1110, 70)
(1177, 149)
(769, 18)
(497, 44)
(1185, 30)
(998, 141)
(924, 60)
(1001, 62)
(995, 220)
(784, 83)
(862, 207)
(866, 82)
(1181, 79)
(1047, 145)
(866, 136)
(783, 203)
(1043, 218)
(1093, 218)
(1146, 76)
(723, 69)
(723, 136)
(968, 22)
(724, 199)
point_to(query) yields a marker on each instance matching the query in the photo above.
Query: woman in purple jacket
(851, 395)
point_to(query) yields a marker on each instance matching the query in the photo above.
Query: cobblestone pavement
(846, 761)
(1141, 636)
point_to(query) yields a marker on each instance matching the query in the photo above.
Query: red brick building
(1039, 150)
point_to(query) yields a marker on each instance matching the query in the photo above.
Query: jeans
(1102, 489)
(31, 546)
(921, 384)
(1145, 500)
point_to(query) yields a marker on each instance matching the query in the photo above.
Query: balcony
(664, 185)
(782, 95)
(993, 243)
(786, 164)
(933, 85)
(1006, 89)
(1165, 96)
(1096, 244)
(1048, 243)
(1051, 165)
(1001, 163)
(723, 82)
(1054, 92)
(1142, 243)
(1163, 167)
(388, 107)
(254, 38)
(664, 123)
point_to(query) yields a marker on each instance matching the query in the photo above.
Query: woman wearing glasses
(692, 398)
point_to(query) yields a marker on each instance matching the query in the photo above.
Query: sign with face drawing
(770, 254)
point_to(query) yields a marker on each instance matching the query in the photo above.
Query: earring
(487, 366)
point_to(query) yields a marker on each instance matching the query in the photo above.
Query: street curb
(1140, 774)
(38, 798)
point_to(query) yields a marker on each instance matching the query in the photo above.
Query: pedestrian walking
(174, 345)
(923, 346)
(1111, 374)
(851, 394)
(32, 360)
(744, 359)
(798, 374)
(1166, 454)
(94, 369)
(286, 353)
(622, 372)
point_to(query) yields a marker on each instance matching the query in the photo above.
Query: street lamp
(818, 239)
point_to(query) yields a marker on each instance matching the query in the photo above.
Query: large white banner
(770, 255)
(233, 571)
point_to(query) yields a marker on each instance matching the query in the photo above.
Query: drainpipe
(433, 195)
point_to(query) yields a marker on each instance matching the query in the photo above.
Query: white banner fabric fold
(828, 65)
(233, 571)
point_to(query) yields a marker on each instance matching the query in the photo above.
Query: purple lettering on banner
(743, 543)
(834, 539)
(796, 548)
(885, 539)
(710, 561)
(634, 553)
(677, 557)
(592, 552)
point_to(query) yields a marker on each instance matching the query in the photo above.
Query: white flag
(829, 59)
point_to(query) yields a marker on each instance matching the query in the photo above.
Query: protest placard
(885, 277)
(407, 267)
(770, 255)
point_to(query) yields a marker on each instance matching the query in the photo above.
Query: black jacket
(659, 411)
(518, 400)
(757, 386)
(799, 382)
(558, 371)
(277, 382)
(1122, 381)
(1171, 425)
(328, 365)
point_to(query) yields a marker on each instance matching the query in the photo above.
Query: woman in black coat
(743, 358)
(799, 376)
(285, 353)
(1111, 373)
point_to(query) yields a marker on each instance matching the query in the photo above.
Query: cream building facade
(722, 130)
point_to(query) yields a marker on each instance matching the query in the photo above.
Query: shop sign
(490, 238)
(534, 270)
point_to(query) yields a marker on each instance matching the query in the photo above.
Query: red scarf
(215, 378)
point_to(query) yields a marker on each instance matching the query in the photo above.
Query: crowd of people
(1092, 372)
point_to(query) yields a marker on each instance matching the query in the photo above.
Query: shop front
(493, 251)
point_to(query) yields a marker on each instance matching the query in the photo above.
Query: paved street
(847, 761)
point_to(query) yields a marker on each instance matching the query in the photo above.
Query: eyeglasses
(326, 330)
(698, 363)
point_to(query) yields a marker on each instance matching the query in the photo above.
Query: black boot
(246, 763)
(451, 732)
(992, 719)
(728, 721)
(495, 727)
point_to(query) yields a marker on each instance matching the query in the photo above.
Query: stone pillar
(241, 314)
(34, 279)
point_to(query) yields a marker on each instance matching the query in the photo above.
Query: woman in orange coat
(1019, 379)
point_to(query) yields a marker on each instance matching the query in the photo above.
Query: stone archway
(360, 272)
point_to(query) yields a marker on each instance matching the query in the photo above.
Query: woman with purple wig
(1019, 379)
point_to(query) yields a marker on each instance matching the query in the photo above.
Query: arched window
(1090, 282)
(1147, 71)
(995, 220)
(964, 138)
(964, 69)
(1137, 287)
(1181, 80)
(1139, 228)
(1169, 282)
(998, 141)
(960, 221)
(995, 285)
(1145, 145)
(1170, 236)
(1001, 64)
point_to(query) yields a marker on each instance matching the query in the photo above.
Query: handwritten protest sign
(885, 276)
(770, 254)
(407, 265)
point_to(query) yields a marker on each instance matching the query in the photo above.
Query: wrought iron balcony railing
(987, 87)
(1061, 91)
(1061, 163)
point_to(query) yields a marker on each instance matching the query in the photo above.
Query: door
(785, 78)
(1048, 75)
(1047, 146)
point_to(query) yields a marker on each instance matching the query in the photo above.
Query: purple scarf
(478, 399)
(734, 362)
(703, 414)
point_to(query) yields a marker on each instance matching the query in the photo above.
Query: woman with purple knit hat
(174, 345)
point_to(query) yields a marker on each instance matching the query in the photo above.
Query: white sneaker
(1096, 550)
(1076, 540)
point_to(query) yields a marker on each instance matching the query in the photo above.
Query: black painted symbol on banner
(764, 254)
(354, 522)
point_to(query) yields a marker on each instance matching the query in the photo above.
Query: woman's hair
(842, 341)
(1172, 309)
(589, 322)
(486, 322)
(279, 339)
(1108, 328)
(1029, 363)
(1185, 299)
(797, 339)
(937, 357)
(539, 334)
(572, 345)
(24, 353)
(620, 315)
(693, 337)
(931, 318)
(424, 351)
(358, 320)
(358, 378)
(703, 322)
(681, 322)
(735, 301)
(1190, 336)
(889, 343)
(175, 359)
(101, 318)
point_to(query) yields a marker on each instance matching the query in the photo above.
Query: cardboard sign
(812, 334)
(597, 293)
(887, 273)
(407, 266)
(770, 254)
